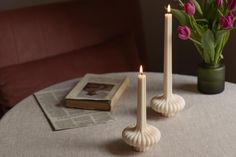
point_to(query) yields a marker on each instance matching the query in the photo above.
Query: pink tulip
(219, 3)
(232, 5)
(189, 8)
(228, 21)
(184, 32)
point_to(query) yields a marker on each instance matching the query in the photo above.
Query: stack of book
(81, 105)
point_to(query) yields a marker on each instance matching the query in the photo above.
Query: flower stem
(220, 12)
(201, 20)
(196, 25)
(195, 41)
(181, 3)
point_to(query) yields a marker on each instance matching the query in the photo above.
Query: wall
(153, 17)
(185, 56)
(12, 4)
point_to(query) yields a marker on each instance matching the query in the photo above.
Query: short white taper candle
(141, 136)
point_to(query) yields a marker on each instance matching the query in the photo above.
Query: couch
(48, 44)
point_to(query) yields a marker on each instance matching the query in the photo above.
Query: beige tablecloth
(205, 128)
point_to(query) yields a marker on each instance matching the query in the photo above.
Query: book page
(60, 117)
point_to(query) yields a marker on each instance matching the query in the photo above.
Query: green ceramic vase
(211, 78)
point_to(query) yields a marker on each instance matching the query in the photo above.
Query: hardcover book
(99, 92)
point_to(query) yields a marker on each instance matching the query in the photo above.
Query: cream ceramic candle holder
(141, 139)
(168, 105)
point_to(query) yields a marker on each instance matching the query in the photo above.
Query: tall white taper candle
(141, 108)
(168, 54)
(168, 104)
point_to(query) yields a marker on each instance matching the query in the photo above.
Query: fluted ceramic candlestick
(141, 136)
(168, 104)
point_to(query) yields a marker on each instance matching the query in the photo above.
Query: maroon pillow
(19, 81)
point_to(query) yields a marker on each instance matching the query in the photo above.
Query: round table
(206, 126)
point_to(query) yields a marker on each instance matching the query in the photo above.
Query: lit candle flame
(141, 69)
(168, 8)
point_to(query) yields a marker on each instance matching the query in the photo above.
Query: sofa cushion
(19, 81)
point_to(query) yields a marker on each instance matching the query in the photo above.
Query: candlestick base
(168, 106)
(141, 140)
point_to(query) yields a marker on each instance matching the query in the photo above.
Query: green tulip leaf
(208, 44)
(209, 10)
(180, 16)
(221, 39)
(226, 37)
(198, 7)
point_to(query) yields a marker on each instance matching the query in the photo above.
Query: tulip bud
(184, 32)
(219, 3)
(228, 21)
(232, 5)
(189, 8)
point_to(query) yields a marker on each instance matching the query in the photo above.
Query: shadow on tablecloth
(118, 147)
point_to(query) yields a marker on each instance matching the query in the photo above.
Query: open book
(97, 92)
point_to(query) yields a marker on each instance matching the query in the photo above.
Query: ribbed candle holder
(141, 140)
(168, 106)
